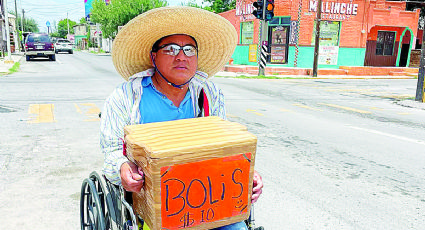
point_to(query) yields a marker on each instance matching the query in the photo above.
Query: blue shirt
(156, 107)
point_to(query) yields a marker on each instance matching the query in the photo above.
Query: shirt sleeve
(216, 98)
(115, 116)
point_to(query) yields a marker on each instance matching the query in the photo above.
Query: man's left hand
(257, 187)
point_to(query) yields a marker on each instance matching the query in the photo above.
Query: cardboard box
(198, 172)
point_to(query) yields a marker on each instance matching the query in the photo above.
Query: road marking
(43, 113)
(254, 112)
(345, 108)
(306, 107)
(90, 110)
(57, 60)
(403, 113)
(390, 135)
(375, 108)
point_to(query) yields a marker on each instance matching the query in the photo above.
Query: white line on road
(390, 135)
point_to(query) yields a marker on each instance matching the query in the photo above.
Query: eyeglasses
(174, 49)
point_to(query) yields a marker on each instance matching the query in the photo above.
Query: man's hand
(257, 188)
(132, 177)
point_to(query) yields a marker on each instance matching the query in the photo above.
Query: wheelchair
(105, 206)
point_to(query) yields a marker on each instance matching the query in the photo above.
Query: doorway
(404, 54)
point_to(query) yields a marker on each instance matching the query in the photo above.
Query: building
(352, 33)
(80, 36)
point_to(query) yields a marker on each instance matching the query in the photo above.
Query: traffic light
(258, 9)
(269, 10)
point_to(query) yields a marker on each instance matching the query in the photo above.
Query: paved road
(334, 154)
(49, 138)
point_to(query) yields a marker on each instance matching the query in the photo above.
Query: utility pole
(420, 86)
(6, 20)
(317, 37)
(67, 22)
(17, 31)
(22, 20)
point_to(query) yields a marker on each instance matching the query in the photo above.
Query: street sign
(265, 43)
(48, 24)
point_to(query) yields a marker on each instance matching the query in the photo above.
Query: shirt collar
(151, 71)
(146, 81)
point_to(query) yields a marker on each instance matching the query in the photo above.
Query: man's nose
(181, 55)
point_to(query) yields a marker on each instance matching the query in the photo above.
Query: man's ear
(153, 56)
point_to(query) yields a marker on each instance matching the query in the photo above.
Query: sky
(56, 10)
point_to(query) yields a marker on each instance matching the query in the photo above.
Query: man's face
(180, 68)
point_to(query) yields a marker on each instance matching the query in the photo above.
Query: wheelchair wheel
(91, 208)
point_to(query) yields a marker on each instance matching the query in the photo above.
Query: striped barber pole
(263, 56)
(300, 6)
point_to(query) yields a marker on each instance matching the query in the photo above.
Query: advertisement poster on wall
(328, 55)
(293, 38)
(252, 53)
(278, 54)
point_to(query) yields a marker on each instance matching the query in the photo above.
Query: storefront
(352, 33)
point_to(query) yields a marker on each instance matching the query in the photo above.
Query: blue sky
(56, 10)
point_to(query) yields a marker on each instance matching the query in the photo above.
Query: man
(166, 56)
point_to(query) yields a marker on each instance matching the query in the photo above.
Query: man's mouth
(180, 67)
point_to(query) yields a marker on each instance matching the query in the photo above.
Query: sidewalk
(5, 65)
(344, 72)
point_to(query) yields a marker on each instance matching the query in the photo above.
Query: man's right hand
(132, 178)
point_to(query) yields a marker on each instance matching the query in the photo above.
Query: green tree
(119, 12)
(63, 27)
(83, 20)
(218, 6)
(30, 25)
(55, 34)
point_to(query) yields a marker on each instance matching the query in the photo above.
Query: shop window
(329, 33)
(247, 32)
(280, 21)
(275, 20)
(385, 43)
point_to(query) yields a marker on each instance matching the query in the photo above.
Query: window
(247, 32)
(385, 43)
(329, 33)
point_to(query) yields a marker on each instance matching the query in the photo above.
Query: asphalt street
(333, 153)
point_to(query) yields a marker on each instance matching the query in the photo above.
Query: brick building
(352, 33)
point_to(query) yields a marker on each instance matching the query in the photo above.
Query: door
(278, 44)
(404, 54)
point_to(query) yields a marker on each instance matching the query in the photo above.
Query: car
(39, 45)
(63, 45)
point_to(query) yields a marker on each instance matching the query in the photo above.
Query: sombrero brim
(216, 38)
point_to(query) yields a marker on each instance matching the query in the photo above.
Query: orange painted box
(198, 172)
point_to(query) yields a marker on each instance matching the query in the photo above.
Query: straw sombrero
(216, 38)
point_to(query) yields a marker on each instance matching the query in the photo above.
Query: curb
(226, 74)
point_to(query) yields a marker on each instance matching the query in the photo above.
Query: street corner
(411, 104)
(10, 64)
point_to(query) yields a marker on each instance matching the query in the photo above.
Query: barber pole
(263, 55)
(300, 6)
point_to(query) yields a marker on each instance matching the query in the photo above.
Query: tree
(30, 25)
(83, 20)
(218, 6)
(119, 12)
(63, 27)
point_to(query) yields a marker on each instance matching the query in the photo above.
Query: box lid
(186, 136)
